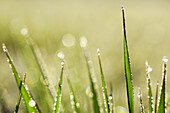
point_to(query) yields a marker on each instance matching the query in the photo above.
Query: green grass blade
(150, 97)
(96, 106)
(128, 74)
(19, 97)
(29, 101)
(40, 62)
(105, 97)
(73, 98)
(58, 97)
(162, 105)
(141, 102)
(156, 98)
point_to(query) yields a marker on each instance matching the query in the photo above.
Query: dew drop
(71, 97)
(7, 60)
(149, 69)
(78, 104)
(60, 55)
(83, 41)
(88, 92)
(110, 97)
(72, 102)
(26, 87)
(139, 95)
(90, 95)
(146, 63)
(4, 47)
(68, 40)
(32, 103)
(24, 31)
(165, 59)
(62, 64)
(98, 52)
(122, 8)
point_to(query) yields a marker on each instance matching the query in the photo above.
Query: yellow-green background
(100, 22)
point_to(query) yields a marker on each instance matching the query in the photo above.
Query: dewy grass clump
(159, 105)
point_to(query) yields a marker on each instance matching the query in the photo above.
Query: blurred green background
(100, 21)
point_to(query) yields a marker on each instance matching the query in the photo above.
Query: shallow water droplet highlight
(32, 103)
(68, 40)
(83, 41)
(165, 59)
(60, 55)
(88, 92)
(24, 31)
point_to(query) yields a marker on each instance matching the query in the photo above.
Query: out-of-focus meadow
(56, 26)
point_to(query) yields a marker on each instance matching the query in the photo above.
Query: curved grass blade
(19, 97)
(58, 97)
(40, 62)
(96, 106)
(105, 97)
(156, 98)
(150, 97)
(29, 101)
(141, 102)
(74, 103)
(162, 105)
(128, 73)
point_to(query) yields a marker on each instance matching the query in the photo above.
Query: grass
(19, 97)
(58, 97)
(32, 106)
(127, 68)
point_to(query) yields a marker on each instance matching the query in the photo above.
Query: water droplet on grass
(83, 41)
(32, 103)
(4, 47)
(98, 52)
(88, 92)
(24, 31)
(71, 97)
(60, 55)
(110, 97)
(139, 94)
(68, 40)
(149, 69)
(165, 59)
(78, 104)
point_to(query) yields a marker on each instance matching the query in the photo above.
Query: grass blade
(128, 73)
(19, 97)
(39, 60)
(96, 106)
(110, 98)
(162, 105)
(156, 98)
(58, 97)
(73, 98)
(141, 102)
(105, 97)
(29, 101)
(150, 97)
